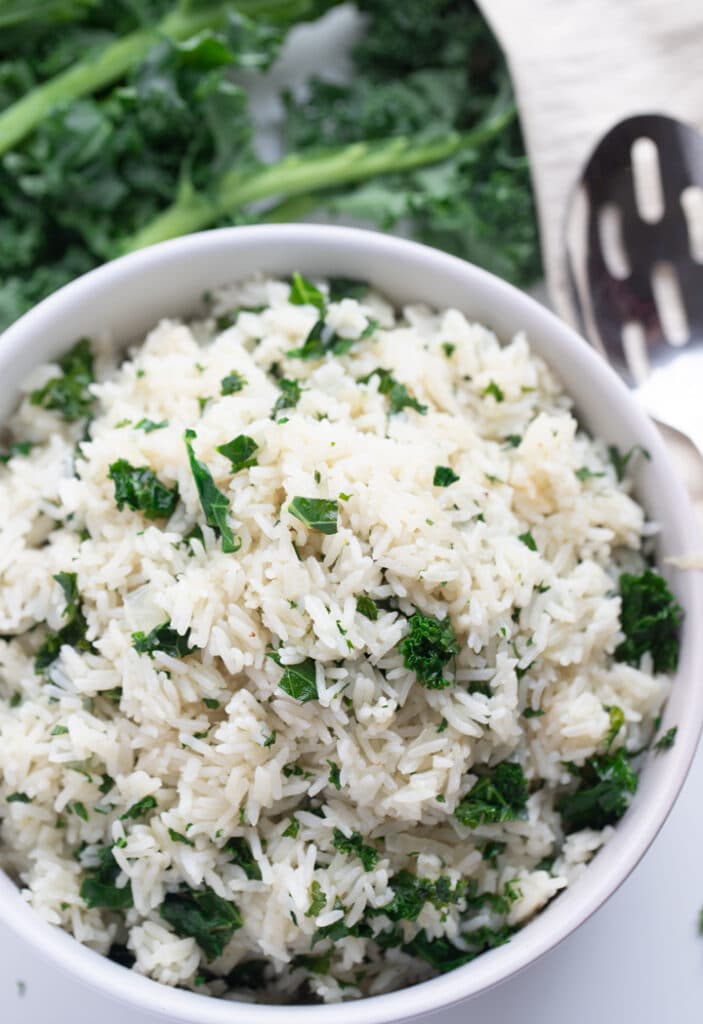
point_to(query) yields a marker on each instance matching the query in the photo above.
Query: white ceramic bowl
(126, 298)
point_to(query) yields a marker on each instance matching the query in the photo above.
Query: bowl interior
(129, 296)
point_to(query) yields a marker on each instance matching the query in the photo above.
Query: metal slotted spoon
(634, 246)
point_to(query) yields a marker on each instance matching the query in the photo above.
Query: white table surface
(639, 959)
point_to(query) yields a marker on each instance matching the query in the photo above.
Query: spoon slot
(611, 241)
(692, 206)
(670, 307)
(646, 174)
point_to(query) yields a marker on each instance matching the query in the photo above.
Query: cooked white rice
(212, 737)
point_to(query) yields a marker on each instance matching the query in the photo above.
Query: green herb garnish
(232, 383)
(304, 293)
(140, 489)
(428, 646)
(498, 796)
(138, 810)
(204, 916)
(666, 741)
(444, 476)
(291, 390)
(240, 451)
(354, 845)
(163, 638)
(528, 540)
(493, 389)
(72, 634)
(367, 607)
(649, 617)
(316, 513)
(148, 426)
(98, 888)
(399, 397)
(318, 900)
(69, 394)
(334, 775)
(606, 784)
(299, 681)
(242, 856)
(214, 503)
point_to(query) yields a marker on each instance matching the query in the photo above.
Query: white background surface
(639, 959)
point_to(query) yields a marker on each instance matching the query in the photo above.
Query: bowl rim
(613, 867)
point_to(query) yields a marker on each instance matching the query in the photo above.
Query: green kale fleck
(444, 476)
(232, 383)
(318, 900)
(138, 810)
(99, 888)
(584, 473)
(163, 638)
(367, 607)
(334, 775)
(666, 741)
(72, 633)
(304, 293)
(178, 837)
(512, 440)
(399, 397)
(347, 288)
(528, 540)
(299, 681)
(316, 513)
(498, 796)
(213, 502)
(617, 720)
(492, 850)
(292, 829)
(532, 713)
(69, 394)
(16, 448)
(291, 390)
(354, 845)
(493, 389)
(448, 348)
(620, 462)
(19, 798)
(140, 489)
(410, 894)
(428, 646)
(243, 857)
(606, 783)
(443, 956)
(650, 619)
(240, 452)
(148, 426)
(203, 916)
(211, 703)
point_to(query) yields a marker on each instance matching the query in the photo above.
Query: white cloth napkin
(579, 67)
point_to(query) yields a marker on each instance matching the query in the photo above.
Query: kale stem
(301, 174)
(107, 66)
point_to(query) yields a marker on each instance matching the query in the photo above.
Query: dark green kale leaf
(163, 638)
(620, 461)
(666, 741)
(69, 394)
(444, 956)
(299, 681)
(410, 894)
(354, 845)
(248, 974)
(305, 293)
(148, 426)
(318, 900)
(99, 888)
(428, 646)
(318, 514)
(138, 810)
(72, 633)
(444, 476)
(241, 853)
(16, 449)
(240, 451)
(203, 916)
(649, 617)
(367, 607)
(139, 488)
(606, 785)
(498, 796)
(232, 383)
(399, 397)
(289, 397)
(214, 503)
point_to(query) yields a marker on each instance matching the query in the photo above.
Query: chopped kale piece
(243, 857)
(316, 513)
(428, 646)
(214, 503)
(232, 383)
(289, 397)
(606, 785)
(498, 796)
(240, 452)
(99, 888)
(138, 810)
(354, 845)
(163, 638)
(299, 681)
(139, 488)
(69, 394)
(203, 916)
(367, 607)
(649, 617)
(444, 476)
